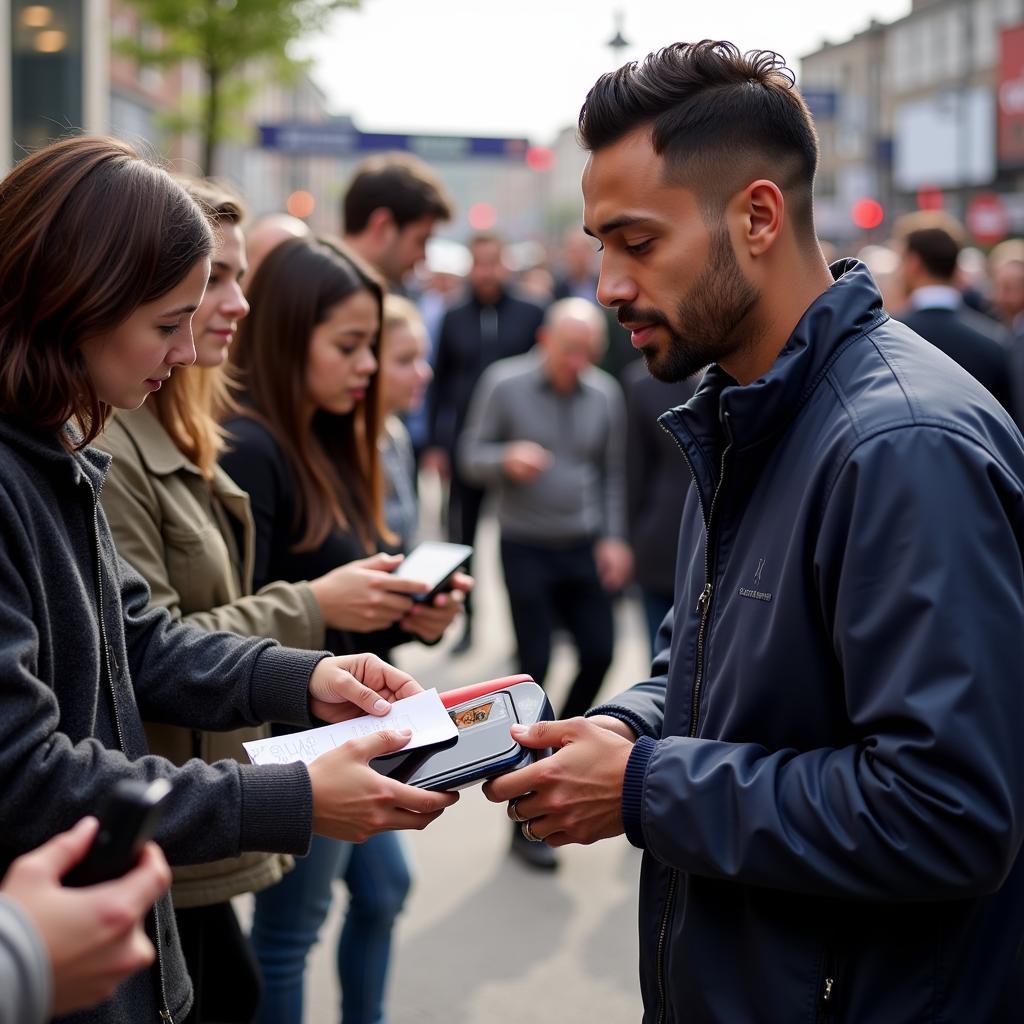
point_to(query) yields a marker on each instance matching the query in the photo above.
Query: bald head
(268, 233)
(573, 337)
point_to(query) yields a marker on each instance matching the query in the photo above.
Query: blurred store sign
(822, 103)
(1011, 97)
(987, 219)
(342, 138)
(946, 140)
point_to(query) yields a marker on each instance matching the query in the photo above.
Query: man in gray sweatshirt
(546, 431)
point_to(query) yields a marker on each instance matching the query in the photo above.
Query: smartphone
(128, 817)
(434, 563)
(482, 748)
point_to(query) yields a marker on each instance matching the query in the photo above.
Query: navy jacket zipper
(164, 1013)
(704, 608)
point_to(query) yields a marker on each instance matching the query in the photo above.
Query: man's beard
(708, 318)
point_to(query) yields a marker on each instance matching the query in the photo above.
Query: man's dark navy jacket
(829, 780)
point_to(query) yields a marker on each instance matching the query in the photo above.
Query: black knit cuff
(277, 808)
(280, 684)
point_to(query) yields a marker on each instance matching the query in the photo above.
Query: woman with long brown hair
(105, 259)
(304, 447)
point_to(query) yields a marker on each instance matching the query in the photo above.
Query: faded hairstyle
(719, 118)
(91, 231)
(334, 461)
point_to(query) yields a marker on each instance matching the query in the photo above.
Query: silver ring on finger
(513, 811)
(529, 834)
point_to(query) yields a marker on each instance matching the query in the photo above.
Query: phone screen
(433, 562)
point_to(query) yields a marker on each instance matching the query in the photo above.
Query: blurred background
(919, 105)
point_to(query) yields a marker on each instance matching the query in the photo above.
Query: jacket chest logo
(755, 593)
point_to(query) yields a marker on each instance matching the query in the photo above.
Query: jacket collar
(749, 416)
(160, 455)
(44, 448)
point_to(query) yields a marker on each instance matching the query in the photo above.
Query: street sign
(341, 138)
(987, 219)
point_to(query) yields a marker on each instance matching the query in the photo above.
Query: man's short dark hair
(398, 182)
(719, 118)
(935, 238)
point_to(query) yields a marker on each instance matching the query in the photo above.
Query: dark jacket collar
(753, 415)
(44, 448)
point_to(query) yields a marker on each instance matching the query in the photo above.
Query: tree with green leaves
(225, 37)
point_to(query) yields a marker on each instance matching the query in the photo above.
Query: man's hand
(357, 684)
(524, 461)
(94, 935)
(614, 560)
(352, 801)
(575, 795)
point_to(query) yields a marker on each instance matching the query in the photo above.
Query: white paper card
(423, 713)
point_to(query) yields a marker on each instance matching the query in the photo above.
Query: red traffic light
(867, 214)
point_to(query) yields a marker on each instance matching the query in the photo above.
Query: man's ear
(761, 207)
(381, 222)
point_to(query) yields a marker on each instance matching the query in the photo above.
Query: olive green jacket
(199, 566)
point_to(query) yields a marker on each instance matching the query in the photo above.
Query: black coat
(463, 354)
(657, 479)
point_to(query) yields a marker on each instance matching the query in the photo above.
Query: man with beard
(824, 770)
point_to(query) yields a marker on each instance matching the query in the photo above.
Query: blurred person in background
(547, 432)
(883, 261)
(577, 278)
(65, 948)
(303, 444)
(1007, 263)
(929, 244)
(405, 374)
(389, 211)
(655, 486)
(974, 281)
(264, 234)
(491, 324)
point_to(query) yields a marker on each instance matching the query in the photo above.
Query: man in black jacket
(930, 244)
(824, 770)
(491, 324)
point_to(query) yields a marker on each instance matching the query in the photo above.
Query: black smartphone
(433, 562)
(128, 816)
(482, 748)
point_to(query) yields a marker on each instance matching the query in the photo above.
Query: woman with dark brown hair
(105, 260)
(305, 449)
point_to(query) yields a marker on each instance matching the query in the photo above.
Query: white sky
(523, 67)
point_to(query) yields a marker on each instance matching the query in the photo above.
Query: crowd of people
(212, 432)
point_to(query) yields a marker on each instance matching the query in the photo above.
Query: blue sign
(340, 138)
(822, 103)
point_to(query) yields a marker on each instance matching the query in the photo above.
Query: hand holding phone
(433, 563)
(128, 817)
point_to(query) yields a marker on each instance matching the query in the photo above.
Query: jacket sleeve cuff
(633, 720)
(280, 684)
(314, 616)
(633, 789)
(277, 808)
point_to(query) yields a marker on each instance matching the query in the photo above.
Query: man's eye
(167, 330)
(600, 247)
(640, 247)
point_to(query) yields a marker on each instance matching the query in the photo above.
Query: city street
(485, 940)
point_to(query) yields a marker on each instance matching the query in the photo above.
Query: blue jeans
(288, 917)
(656, 607)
